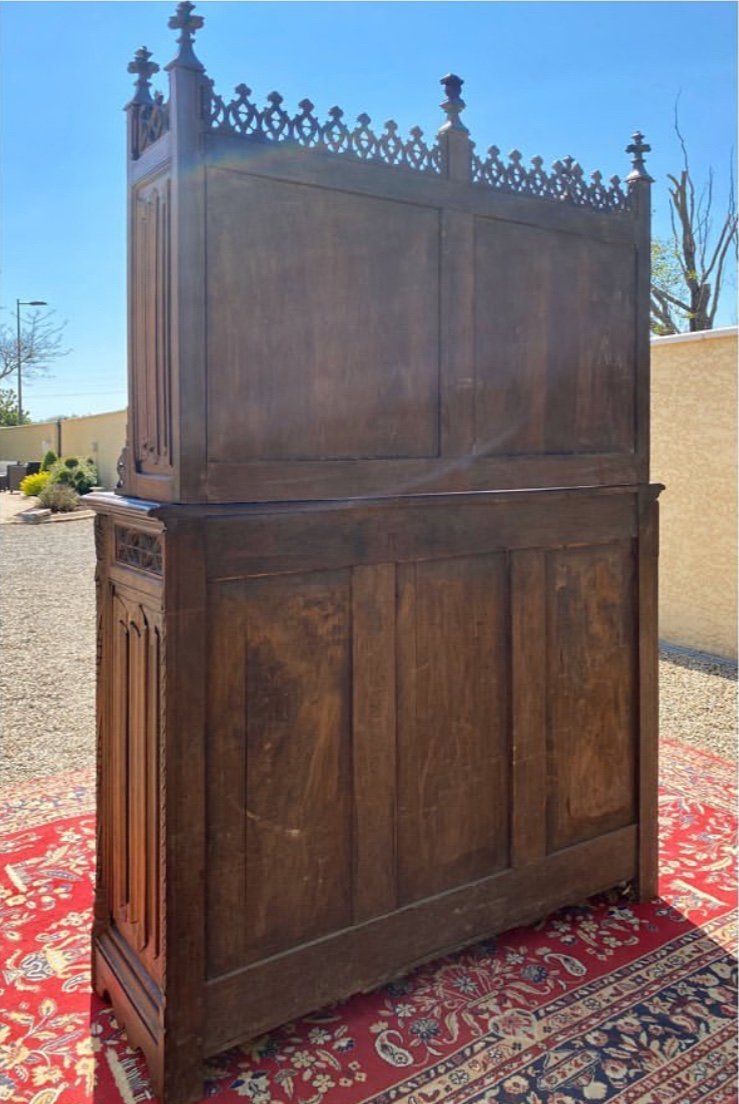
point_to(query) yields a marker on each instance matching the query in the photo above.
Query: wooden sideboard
(377, 590)
(339, 739)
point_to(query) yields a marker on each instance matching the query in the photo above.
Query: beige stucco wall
(694, 453)
(28, 442)
(100, 436)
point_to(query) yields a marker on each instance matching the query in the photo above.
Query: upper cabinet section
(321, 308)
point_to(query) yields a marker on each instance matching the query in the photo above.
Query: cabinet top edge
(108, 502)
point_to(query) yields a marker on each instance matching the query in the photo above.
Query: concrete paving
(13, 503)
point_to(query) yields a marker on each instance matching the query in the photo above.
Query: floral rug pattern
(609, 1001)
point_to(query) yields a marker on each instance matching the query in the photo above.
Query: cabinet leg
(647, 887)
(174, 1063)
(179, 1079)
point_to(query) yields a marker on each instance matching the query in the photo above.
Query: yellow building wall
(694, 453)
(99, 436)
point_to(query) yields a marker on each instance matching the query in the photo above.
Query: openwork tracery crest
(566, 182)
(273, 123)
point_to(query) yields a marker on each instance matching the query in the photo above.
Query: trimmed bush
(49, 458)
(34, 484)
(76, 472)
(60, 498)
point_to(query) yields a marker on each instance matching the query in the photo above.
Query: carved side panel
(102, 688)
(131, 776)
(150, 303)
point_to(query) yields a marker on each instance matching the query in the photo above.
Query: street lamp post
(18, 304)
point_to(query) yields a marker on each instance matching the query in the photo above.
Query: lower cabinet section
(336, 740)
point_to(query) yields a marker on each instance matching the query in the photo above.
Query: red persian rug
(608, 1001)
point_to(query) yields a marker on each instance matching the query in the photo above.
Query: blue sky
(548, 78)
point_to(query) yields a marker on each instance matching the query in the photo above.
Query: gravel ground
(698, 702)
(47, 659)
(47, 649)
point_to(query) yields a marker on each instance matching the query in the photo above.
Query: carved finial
(184, 21)
(145, 70)
(453, 105)
(638, 148)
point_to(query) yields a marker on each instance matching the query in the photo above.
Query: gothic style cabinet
(377, 594)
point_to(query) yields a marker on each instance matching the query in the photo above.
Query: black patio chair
(17, 472)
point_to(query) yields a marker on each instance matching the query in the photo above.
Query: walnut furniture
(377, 593)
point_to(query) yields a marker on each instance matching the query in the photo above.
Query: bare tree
(688, 272)
(42, 341)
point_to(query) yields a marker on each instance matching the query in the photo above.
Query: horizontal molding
(363, 957)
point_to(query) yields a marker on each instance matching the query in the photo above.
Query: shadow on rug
(607, 1001)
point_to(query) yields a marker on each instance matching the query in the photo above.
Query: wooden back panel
(323, 312)
(394, 721)
(337, 739)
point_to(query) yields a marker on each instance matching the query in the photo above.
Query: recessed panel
(149, 306)
(129, 851)
(279, 766)
(591, 704)
(323, 331)
(554, 342)
(298, 822)
(453, 727)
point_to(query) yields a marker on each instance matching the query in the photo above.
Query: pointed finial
(184, 21)
(145, 70)
(453, 105)
(638, 148)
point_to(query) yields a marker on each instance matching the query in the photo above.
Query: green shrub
(60, 498)
(76, 472)
(34, 484)
(48, 460)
